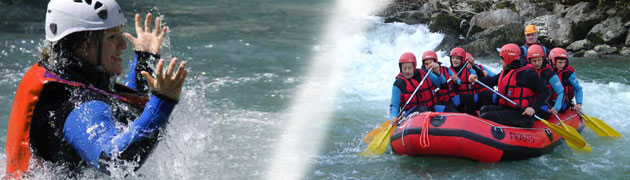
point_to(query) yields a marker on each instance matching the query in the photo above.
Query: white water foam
(372, 63)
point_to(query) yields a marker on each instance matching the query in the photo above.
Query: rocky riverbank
(590, 29)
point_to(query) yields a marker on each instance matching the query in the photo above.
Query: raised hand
(167, 83)
(148, 40)
(436, 68)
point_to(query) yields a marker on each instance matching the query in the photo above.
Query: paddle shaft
(506, 98)
(449, 79)
(414, 92)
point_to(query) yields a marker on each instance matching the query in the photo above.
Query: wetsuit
(527, 79)
(524, 48)
(553, 82)
(400, 87)
(82, 118)
(571, 87)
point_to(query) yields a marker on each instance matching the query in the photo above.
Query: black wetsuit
(512, 116)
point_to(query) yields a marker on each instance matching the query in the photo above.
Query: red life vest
(507, 85)
(478, 87)
(465, 87)
(424, 96)
(447, 91)
(564, 75)
(18, 152)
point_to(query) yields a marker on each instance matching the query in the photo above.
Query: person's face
(456, 61)
(503, 64)
(112, 46)
(427, 63)
(560, 63)
(531, 38)
(407, 70)
(536, 62)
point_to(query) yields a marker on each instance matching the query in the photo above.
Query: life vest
(465, 86)
(424, 96)
(564, 75)
(447, 91)
(37, 102)
(508, 87)
(479, 88)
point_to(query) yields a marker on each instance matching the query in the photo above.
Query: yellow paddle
(370, 136)
(379, 144)
(599, 127)
(573, 138)
(572, 131)
(381, 140)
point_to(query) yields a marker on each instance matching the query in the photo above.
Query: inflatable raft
(467, 136)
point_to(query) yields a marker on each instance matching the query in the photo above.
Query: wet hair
(57, 52)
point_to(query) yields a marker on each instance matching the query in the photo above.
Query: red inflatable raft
(467, 136)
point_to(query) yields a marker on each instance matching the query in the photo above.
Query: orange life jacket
(17, 148)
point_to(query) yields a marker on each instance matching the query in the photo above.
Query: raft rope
(424, 135)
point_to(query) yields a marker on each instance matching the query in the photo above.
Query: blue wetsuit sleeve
(395, 102)
(91, 128)
(140, 62)
(436, 80)
(490, 73)
(576, 88)
(130, 81)
(472, 71)
(556, 85)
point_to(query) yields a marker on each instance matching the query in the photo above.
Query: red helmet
(535, 51)
(468, 55)
(558, 53)
(510, 52)
(407, 58)
(429, 55)
(458, 52)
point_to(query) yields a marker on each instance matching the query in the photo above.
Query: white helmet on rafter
(64, 17)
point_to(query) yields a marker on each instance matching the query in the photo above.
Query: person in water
(465, 89)
(70, 113)
(446, 91)
(537, 60)
(406, 82)
(531, 38)
(521, 84)
(560, 59)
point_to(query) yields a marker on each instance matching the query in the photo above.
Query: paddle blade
(379, 144)
(600, 127)
(573, 131)
(573, 139)
(370, 136)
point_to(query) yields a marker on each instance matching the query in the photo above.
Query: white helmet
(64, 17)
